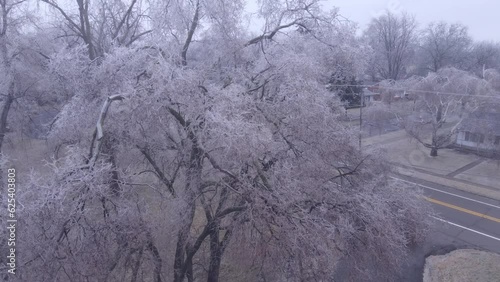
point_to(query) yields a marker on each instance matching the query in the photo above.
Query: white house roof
(367, 92)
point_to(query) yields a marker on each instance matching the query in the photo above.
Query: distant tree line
(402, 49)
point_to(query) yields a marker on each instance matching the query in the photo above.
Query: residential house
(480, 131)
(370, 96)
(377, 92)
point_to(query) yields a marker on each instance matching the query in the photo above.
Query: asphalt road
(467, 219)
(463, 220)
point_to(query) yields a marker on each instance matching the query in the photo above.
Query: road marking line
(462, 209)
(448, 193)
(463, 227)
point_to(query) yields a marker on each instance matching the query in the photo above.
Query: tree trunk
(182, 239)
(191, 31)
(109, 151)
(213, 272)
(217, 249)
(135, 269)
(192, 185)
(215, 257)
(156, 259)
(434, 144)
(4, 117)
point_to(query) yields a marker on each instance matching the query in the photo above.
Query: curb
(473, 189)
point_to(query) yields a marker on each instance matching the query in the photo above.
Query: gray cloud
(481, 16)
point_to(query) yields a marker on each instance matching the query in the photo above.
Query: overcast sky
(481, 16)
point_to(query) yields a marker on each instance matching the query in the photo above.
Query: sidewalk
(464, 171)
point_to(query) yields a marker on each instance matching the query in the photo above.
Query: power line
(418, 91)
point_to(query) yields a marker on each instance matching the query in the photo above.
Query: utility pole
(362, 103)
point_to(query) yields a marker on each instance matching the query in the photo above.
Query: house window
(480, 138)
(477, 137)
(467, 136)
(474, 137)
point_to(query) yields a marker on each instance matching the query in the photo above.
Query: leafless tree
(8, 83)
(485, 55)
(19, 83)
(445, 45)
(442, 101)
(106, 24)
(8, 98)
(392, 36)
(493, 77)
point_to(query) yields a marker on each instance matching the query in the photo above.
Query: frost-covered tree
(493, 77)
(99, 25)
(21, 83)
(221, 161)
(485, 56)
(445, 45)
(9, 32)
(442, 98)
(392, 37)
